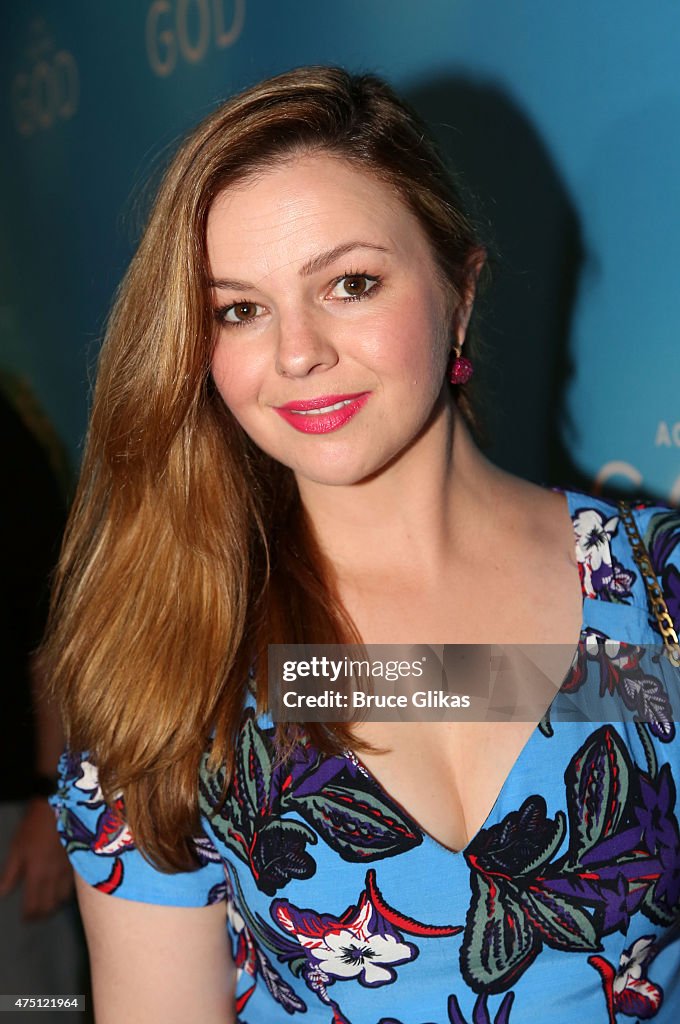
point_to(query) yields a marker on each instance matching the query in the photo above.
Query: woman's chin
(342, 473)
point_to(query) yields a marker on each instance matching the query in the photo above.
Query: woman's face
(333, 335)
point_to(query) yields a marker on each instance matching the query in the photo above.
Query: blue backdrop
(563, 117)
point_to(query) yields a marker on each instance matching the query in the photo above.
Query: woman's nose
(303, 347)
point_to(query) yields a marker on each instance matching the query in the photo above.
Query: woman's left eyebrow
(324, 259)
(312, 266)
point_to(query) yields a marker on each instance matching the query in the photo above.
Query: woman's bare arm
(155, 964)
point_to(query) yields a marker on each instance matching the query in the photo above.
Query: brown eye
(245, 310)
(355, 285)
(241, 313)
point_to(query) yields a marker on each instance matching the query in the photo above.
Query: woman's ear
(461, 317)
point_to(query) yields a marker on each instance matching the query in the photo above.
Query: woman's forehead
(308, 204)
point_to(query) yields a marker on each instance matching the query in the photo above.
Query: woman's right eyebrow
(223, 282)
(312, 266)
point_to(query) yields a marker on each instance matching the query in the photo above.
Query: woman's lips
(323, 414)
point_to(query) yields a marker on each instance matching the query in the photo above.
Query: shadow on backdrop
(530, 226)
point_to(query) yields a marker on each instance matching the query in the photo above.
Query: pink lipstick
(323, 414)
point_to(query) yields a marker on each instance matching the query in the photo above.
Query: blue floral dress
(565, 905)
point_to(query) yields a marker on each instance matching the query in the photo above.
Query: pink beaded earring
(460, 369)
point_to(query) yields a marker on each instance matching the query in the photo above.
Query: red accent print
(111, 883)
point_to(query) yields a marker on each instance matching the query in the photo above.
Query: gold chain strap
(654, 592)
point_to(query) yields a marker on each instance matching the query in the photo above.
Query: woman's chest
(446, 776)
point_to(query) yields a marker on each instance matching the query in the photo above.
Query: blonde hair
(187, 550)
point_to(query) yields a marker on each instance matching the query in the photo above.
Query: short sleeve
(101, 848)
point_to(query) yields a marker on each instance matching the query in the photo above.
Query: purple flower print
(601, 575)
(622, 580)
(671, 588)
(593, 535)
(480, 1013)
(668, 886)
(620, 903)
(655, 812)
(365, 943)
(362, 946)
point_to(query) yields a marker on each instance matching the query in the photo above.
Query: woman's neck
(418, 512)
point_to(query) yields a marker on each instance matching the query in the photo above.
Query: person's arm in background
(32, 515)
(156, 964)
(36, 855)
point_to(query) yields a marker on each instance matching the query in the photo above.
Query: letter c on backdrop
(617, 468)
(629, 472)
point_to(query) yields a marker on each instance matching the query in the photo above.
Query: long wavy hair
(187, 550)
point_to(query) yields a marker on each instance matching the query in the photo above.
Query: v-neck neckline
(428, 838)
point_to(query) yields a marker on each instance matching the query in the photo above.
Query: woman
(281, 451)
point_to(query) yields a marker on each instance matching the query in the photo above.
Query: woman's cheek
(235, 383)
